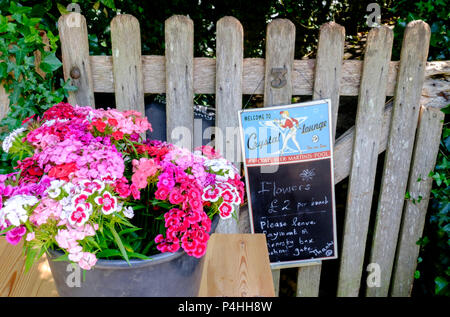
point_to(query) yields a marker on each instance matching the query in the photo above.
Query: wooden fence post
(280, 48)
(229, 65)
(179, 34)
(327, 77)
(410, 79)
(127, 63)
(75, 58)
(369, 121)
(426, 149)
(4, 102)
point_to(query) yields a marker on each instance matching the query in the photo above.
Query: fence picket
(327, 75)
(4, 102)
(179, 34)
(410, 80)
(229, 65)
(424, 159)
(127, 63)
(364, 159)
(280, 45)
(75, 56)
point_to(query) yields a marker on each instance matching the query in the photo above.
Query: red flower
(63, 171)
(59, 111)
(113, 122)
(100, 125)
(117, 135)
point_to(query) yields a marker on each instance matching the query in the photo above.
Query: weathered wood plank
(75, 58)
(14, 282)
(308, 280)
(4, 102)
(410, 80)
(327, 78)
(253, 73)
(179, 33)
(127, 63)
(236, 265)
(327, 74)
(364, 159)
(280, 46)
(229, 65)
(419, 185)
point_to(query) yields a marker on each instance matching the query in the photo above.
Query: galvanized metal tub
(164, 275)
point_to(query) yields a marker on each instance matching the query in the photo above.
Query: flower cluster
(89, 185)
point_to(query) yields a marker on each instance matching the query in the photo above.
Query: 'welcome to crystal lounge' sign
(288, 160)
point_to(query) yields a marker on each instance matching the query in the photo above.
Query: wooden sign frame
(273, 160)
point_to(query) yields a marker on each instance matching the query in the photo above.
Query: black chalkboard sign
(289, 176)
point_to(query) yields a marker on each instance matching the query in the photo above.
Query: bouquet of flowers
(88, 184)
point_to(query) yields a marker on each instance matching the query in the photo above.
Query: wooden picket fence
(411, 144)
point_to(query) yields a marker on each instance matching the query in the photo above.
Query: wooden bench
(235, 265)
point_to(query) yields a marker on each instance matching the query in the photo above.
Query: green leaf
(125, 231)
(108, 253)
(108, 3)
(139, 256)
(50, 63)
(440, 284)
(62, 9)
(6, 230)
(446, 110)
(31, 256)
(119, 242)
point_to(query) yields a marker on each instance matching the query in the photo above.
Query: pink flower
(194, 194)
(175, 197)
(161, 193)
(135, 191)
(14, 235)
(79, 216)
(196, 205)
(92, 186)
(200, 250)
(30, 236)
(87, 261)
(225, 210)
(108, 202)
(228, 196)
(188, 244)
(211, 193)
(165, 180)
(142, 170)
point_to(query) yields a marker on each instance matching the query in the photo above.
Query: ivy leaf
(50, 63)
(108, 3)
(447, 143)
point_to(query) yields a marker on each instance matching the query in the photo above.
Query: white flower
(49, 123)
(55, 188)
(128, 212)
(13, 209)
(7, 143)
